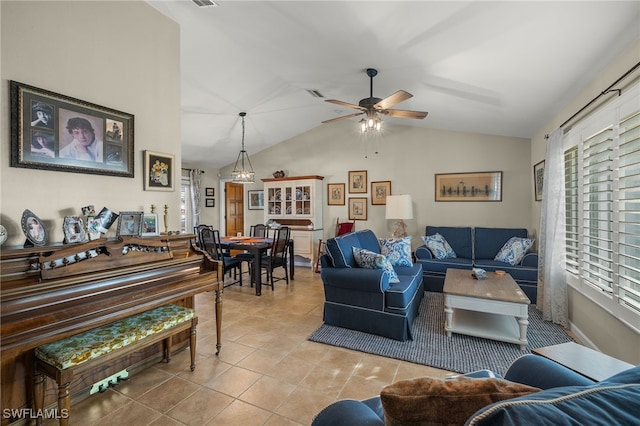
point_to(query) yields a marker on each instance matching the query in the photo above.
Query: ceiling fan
(373, 106)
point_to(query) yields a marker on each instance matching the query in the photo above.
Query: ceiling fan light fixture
(373, 123)
(243, 170)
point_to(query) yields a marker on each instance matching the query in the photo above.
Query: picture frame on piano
(129, 224)
(150, 225)
(73, 228)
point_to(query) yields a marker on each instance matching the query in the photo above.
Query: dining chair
(211, 244)
(341, 229)
(257, 231)
(277, 257)
(197, 229)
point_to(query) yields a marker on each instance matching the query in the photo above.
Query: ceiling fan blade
(403, 113)
(395, 98)
(347, 104)
(343, 117)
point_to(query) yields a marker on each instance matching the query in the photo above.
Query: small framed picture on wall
(210, 202)
(358, 208)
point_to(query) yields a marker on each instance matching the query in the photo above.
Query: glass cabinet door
(274, 200)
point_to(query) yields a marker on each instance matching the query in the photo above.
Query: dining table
(257, 246)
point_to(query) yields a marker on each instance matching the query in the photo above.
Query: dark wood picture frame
(48, 131)
(209, 192)
(209, 202)
(379, 192)
(336, 194)
(473, 186)
(358, 208)
(538, 180)
(358, 182)
(158, 171)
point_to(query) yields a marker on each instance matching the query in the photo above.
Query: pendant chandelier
(243, 171)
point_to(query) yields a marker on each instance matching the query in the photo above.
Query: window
(602, 200)
(185, 206)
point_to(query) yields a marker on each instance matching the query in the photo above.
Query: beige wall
(594, 325)
(122, 55)
(408, 157)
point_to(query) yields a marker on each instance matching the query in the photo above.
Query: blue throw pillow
(397, 250)
(370, 260)
(514, 250)
(438, 246)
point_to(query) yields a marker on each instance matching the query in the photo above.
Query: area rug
(431, 346)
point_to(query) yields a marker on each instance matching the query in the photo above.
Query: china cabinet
(296, 201)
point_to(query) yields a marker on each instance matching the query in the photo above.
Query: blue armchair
(364, 299)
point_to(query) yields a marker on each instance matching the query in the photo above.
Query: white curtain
(195, 186)
(552, 280)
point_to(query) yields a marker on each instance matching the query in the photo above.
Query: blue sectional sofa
(565, 398)
(477, 248)
(364, 299)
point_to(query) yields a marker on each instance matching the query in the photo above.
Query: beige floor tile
(362, 388)
(261, 361)
(241, 413)
(268, 393)
(234, 381)
(303, 404)
(168, 394)
(133, 413)
(277, 420)
(291, 369)
(200, 407)
(140, 383)
(96, 407)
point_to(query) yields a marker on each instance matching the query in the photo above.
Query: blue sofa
(476, 248)
(364, 299)
(566, 398)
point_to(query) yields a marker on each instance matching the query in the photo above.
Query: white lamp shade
(399, 207)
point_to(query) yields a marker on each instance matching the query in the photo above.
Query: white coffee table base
(489, 319)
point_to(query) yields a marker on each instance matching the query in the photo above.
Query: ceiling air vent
(205, 3)
(315, 93)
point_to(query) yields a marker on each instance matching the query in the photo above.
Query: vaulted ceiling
(503, 68)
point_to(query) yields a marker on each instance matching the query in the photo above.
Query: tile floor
(267, 373)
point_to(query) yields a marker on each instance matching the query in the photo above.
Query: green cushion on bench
(82, 347)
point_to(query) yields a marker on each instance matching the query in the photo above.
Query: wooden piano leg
(167, 349)
(64, 403)
(38, 394)
(219, 318)
(192, 343)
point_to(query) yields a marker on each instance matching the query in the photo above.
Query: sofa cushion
(397, 250)
(439, 247)
(340, 248)
(514, 250)
(488, 241)
(441, 266)
(400, 295)
(370, 260)
(432, 401)
(458, 237)
(612, 401)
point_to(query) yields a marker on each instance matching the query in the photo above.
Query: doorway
(234, 208)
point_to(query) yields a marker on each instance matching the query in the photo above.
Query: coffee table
(492, 308)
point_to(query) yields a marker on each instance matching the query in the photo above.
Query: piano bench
(65, 358)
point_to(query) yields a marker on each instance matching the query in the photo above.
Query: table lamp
(399, 207)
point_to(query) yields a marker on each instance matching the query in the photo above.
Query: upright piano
(52, 292)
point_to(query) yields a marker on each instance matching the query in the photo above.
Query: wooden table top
(460, 282)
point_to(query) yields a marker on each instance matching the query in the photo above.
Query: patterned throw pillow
(397, 250)
(439, 247)
(370, 260)
(514, 250)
